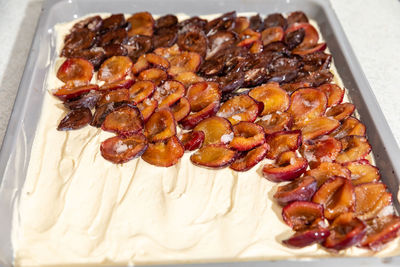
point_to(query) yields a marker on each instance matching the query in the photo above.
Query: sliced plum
(155, 75)
(326, 170)
(75, 119)
(213, 66)
(256, 47)
(300, 189)
(256, 23)
(142, 23)
(166, 21)
(119, 95)
(309, 50)
(213, 156)
(287, 167)
(276, 122)
(191, 120)
(87, 100)
(193, 41)
(102, 111)
(181, 61)
(160, 126)
(294, 38)
(316, 60)
(78, 40)
(224, 22)
(137, 45)
(316, 127)
(345, 231)
(272, 96)
(272, 34)
(125, 120)
(169, 93)
(284, 69)
(248, 37)
(341, 112)
(311, 36)
(353, 148)
(231, 81)
(316, 78)
(193, 22)
(188, 78)
(165, 37)
(293, 86)
(296, 17)
(307, 104)
(333, 92)
(219, 42)
(350, 126)
(276, 47)
(92, 23)
(184, 62)
(180, 109)
(307, 237)
(112, 22)
(241, 24)
(381, 231)
(119, 149)
(217, 130)
(68, 92)
(114, 69)
(164, 153)
(300, 215)
(117, 85)
(362, 172)
(140, 91)
(238, 109)
(94, 55)
(275, 20)
(150, 60)
(323, 149)
(112, 39)
(202, 94)
(371, 198)
(147, 108)
(282, 141)
(77, 71)
(247, 135)
(115, 49)
(247, 160)
(255, 68)
(192, 140)
(336, 195)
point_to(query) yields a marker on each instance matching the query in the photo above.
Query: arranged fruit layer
(236, 91)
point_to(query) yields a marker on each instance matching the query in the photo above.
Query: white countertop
(372, 27)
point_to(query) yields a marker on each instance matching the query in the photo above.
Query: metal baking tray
(15, 152)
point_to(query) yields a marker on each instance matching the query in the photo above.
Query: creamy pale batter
(76, 207)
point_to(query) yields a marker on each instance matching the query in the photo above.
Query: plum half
(287, 167)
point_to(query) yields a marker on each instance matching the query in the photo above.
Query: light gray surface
(371, 26)
(35, 77)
